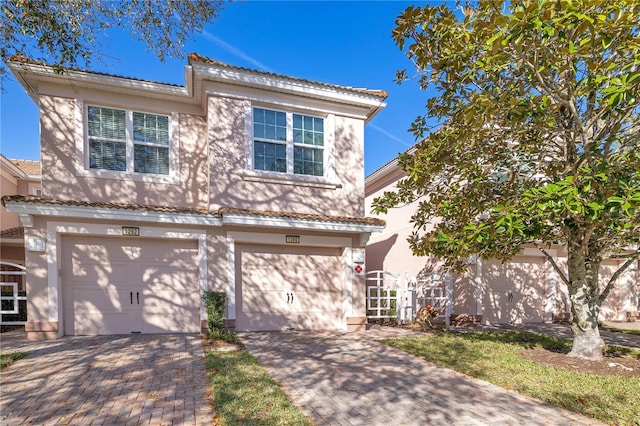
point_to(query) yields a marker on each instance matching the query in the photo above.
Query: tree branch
(554, 265)
(615, 276)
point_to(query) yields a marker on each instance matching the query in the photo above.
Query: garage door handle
(131, 297)
(288, 297)
(291, 297)
(138, 297)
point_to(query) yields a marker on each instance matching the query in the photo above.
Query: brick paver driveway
(118, 380)
(351, 379)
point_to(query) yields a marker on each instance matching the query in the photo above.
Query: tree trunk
(585, 306)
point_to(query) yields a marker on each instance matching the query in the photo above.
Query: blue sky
(344, 43)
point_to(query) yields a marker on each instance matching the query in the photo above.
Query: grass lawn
(7, 358)
(494, 357)
(620, 330)
(244, 394)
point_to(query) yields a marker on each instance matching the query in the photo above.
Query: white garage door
(281, 287)
(513, 292)
(127, 285)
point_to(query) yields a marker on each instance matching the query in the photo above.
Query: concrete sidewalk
(353, 379)
(115, 380)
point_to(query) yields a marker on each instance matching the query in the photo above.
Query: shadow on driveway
(141, 379)
(352, 379)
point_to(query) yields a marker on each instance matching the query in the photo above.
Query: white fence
(11, 283)
(391, 295)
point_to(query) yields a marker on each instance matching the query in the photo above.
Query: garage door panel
(514, 291)
(283, 287)
(89, 298)
(318, 301)
(103, 274)
(162, 278)
(257, 301)
(141, 285)
(104, 323)
(168, 300)
(161, 321)
(313, 321)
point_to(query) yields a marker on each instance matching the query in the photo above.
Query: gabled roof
(197, 58)
(23, 169)
(19, 59)
(30, 167)
(200, 69)
(12, 233)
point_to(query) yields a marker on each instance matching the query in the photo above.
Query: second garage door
(280, 288)
(122, 286)
(513, 291)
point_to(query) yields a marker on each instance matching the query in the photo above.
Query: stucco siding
(37, 277)
(59, 119)
(8, 186)
(230, 186)
(390, 250)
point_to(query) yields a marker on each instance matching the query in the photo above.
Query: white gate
(435, 290)
(382, 294)
(389, 296)
(11, 286)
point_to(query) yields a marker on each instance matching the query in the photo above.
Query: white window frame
(328, 180)
(82, 147)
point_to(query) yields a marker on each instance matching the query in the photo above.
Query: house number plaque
(132, 231)
(293, 239)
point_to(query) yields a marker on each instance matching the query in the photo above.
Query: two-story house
(240, 181)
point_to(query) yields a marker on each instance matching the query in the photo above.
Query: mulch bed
(611, 365)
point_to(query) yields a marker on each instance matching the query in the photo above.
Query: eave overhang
(29, 206)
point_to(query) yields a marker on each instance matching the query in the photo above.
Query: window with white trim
(286, 142)
(127, 141)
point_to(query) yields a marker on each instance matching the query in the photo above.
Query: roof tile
(303, 216)
(12, 233)
(30, 167)
(196, 57)
(32, 199)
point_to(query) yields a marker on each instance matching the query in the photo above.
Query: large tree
(70, 33)
(538, 143)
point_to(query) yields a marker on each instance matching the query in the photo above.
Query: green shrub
(215, 302)
(8, 358)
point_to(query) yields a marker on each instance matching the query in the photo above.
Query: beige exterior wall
(37, 276)
(389, 250)
(8, 186)
(61, 120)
(212, 160)
(230, 144)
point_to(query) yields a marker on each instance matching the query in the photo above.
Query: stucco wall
(37, 276)
(389, 250)
(8, 186)
(230, 188)
(59, 121)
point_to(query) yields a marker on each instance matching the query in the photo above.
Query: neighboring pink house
(240, 181)
(17, 177)
(524, 290)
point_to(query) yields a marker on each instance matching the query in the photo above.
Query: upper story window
(288, 143)
(128, 141)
